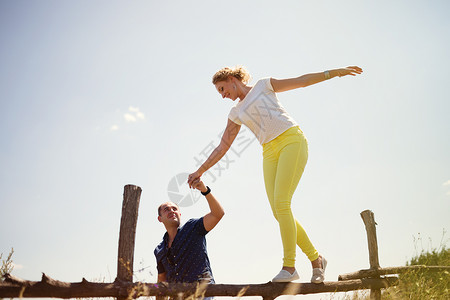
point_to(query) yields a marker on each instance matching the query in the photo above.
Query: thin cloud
(134, 114)
(129, 117)
(447, 184)
(140, 115)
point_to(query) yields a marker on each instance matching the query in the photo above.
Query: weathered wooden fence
(124, 288)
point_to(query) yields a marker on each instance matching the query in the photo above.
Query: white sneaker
(285, 276)
(318, 275)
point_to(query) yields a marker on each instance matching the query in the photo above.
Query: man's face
(170, 214)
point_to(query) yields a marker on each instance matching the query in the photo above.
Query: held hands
(199, 185)
(193, 177)
(353, 71)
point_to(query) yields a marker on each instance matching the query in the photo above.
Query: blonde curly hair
(238, 72)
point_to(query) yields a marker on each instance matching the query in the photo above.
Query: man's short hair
(159, 207)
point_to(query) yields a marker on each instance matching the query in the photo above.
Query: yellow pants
(284, 161)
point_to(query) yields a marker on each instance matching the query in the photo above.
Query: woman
(285, 151)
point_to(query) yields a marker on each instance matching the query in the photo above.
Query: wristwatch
(207, 191)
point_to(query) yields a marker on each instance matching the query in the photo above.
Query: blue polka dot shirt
(187, 259)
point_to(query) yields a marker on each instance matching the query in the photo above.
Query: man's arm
(162, 277)
(216, 213)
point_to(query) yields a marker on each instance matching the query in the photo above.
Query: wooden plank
(47, 287)
(391, 270)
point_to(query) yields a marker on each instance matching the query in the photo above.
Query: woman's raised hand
(353, 71)
(193, 177)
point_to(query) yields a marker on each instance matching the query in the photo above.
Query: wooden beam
(47, 287)
(391, 270)
(127, 234)
(369, 222)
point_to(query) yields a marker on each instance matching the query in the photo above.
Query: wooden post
(369, 221)
(128, 222)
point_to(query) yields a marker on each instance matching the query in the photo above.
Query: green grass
(422, 284)
(416, 284)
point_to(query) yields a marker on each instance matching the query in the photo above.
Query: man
(182, 255)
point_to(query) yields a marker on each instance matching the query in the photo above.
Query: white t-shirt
(262, 112)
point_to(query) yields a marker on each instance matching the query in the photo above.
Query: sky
(95, 95)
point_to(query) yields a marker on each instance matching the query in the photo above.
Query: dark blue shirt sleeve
(200, 227)
(160, 268)
(159, 253)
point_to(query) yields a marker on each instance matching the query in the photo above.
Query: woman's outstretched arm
(227, 139)
(281, 85)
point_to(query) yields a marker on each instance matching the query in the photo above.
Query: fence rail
(389, 271)
(48, 287)
(124, 288)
